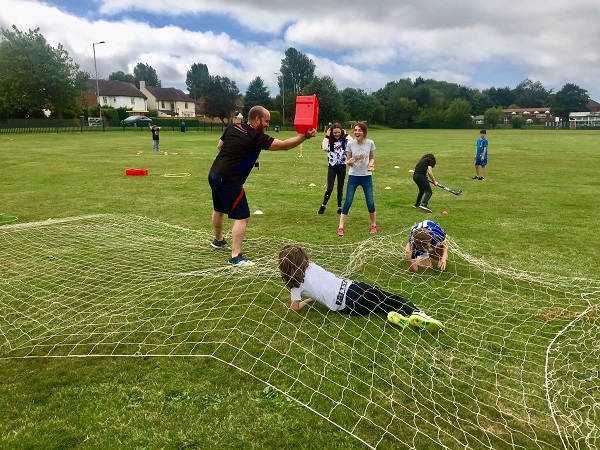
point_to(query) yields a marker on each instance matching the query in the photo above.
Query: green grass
(536, 213)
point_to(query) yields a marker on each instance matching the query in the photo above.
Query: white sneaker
(425, 208)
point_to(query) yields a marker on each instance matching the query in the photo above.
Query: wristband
(307, 136)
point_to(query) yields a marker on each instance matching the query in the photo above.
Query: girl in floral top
(334, 144)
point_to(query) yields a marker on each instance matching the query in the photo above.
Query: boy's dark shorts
(228, 198)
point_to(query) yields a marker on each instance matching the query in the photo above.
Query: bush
(517, 122)
(122, 113)
(111, 115)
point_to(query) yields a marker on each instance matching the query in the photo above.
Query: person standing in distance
(239, 148)
(155, 137)
(481, 156)
(423, 168)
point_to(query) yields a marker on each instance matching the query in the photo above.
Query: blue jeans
(366, 183)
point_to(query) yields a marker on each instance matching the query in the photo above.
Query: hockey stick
(452, 191)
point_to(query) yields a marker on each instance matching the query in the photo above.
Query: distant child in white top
(310, 281)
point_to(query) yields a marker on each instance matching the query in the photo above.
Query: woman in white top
(308, 280)
(360, 158)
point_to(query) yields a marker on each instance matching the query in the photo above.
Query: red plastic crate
(136, 172)
(307, 113)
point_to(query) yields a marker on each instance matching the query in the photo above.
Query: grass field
(535, 214)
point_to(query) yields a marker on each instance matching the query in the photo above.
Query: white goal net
(517, 365)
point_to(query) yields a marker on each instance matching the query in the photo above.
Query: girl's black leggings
(334, 172)
(363, 299)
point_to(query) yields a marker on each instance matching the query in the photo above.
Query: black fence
(26, 126)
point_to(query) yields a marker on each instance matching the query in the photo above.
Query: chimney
(142, 85)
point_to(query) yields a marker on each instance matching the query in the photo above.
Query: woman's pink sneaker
(373, 229)
(340, 231)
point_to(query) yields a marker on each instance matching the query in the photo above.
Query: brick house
(533, 116)
(594, 106)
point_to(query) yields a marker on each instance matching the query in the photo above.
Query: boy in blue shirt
(427, 240)
(481, 156)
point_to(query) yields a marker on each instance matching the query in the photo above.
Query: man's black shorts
(228, 198)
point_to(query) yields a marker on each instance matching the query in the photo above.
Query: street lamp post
(97, 88)
(282, 98)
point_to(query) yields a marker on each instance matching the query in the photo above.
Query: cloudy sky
(360, 44)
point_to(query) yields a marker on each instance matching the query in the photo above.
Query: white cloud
(357, 44)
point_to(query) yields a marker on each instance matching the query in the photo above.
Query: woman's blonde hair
(293, 261)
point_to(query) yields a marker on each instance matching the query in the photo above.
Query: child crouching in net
(427, 240)
(307, 279)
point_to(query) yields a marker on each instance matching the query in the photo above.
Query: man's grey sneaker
(425, 208)
(221, 245)
(421, 320)
(240, 260)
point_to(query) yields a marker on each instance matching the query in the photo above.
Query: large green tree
(122, 76)
(361, 106)
(297, 70)
(401, 112)
(197, 80)
(331, 103)
(492, 116)
(571, 98)
(480, 103)
(256, 94)
(431, 117)
(531, 94)
(458, 113)
(501, 97)
(397, 89)
(145, 72)
(220, 97)
(35, 75)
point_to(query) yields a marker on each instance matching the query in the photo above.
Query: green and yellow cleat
(397, 319)
(421, 320)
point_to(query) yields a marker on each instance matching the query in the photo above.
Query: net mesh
(516, 367)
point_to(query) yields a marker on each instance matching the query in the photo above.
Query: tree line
(34, 76)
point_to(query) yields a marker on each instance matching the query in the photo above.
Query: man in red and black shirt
(239, 148)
